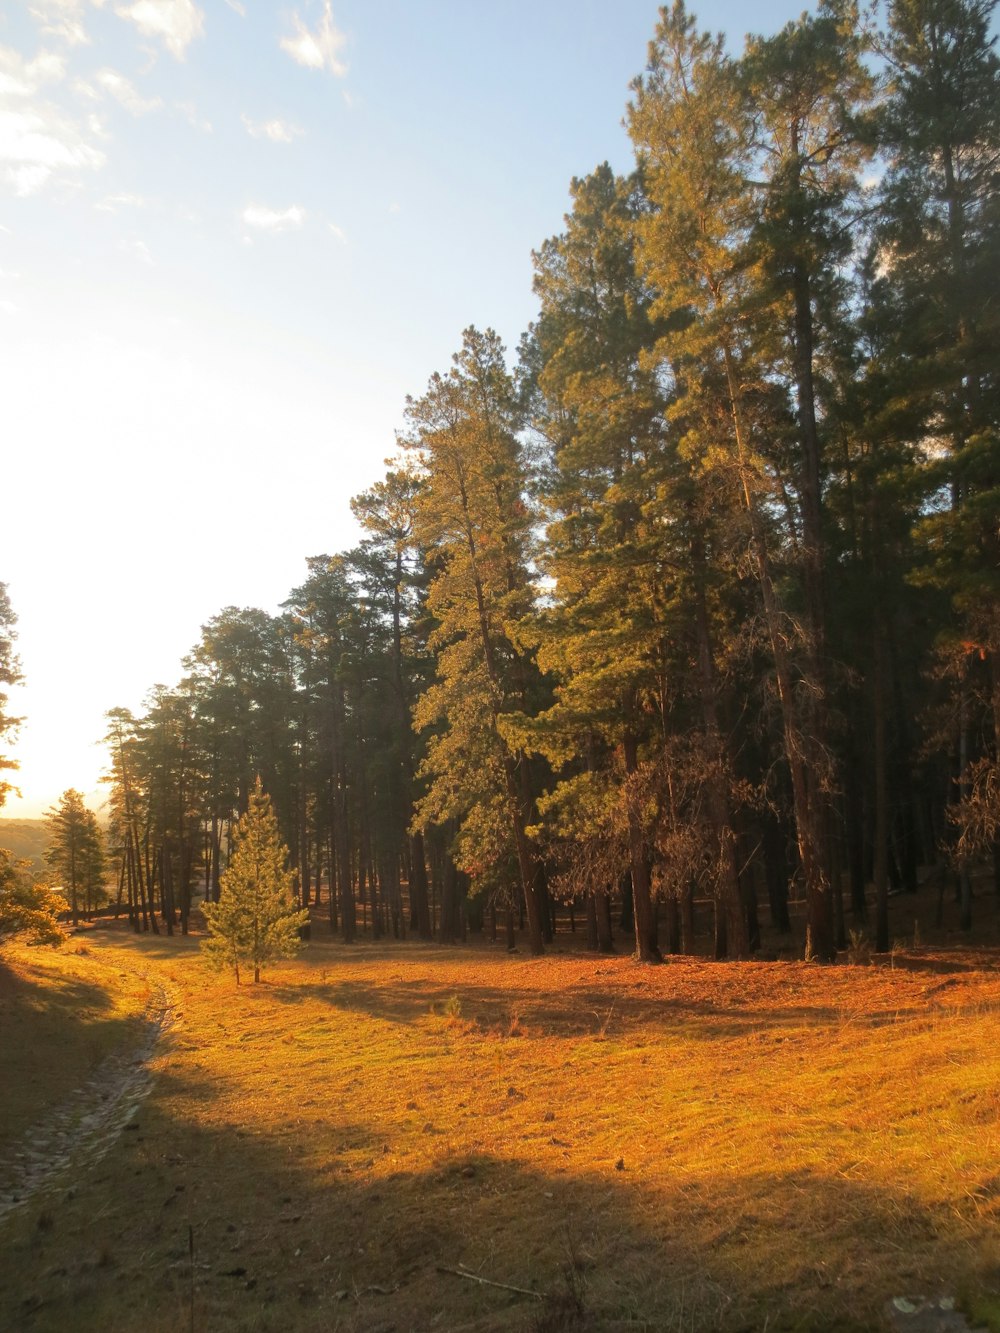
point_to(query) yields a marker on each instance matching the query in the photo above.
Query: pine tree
(10, 674)
(939, 252)
(255, 918)
(170, 765)
(76, 852)
(130, 823)
(694, 136)
(335, 636)
(473, 519)
(388, 561)
(602, 633)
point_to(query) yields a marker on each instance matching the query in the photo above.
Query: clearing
(349, 1144)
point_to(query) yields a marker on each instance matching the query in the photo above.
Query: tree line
(696, 598)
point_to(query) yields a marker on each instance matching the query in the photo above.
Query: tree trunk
(687, 919)
(591, 923)
(646, 946)
(797, 750)
(734, 936)
(602, 908)
(777, 873)
(418, 887)
(345, 886)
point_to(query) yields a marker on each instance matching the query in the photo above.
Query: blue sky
(233, 236)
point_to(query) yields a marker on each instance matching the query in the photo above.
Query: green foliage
(983, 1309)
(660, 606)
(472, 517)
(937, 306)
(255, 919)
(27, 905)
(10, 674)
(76, 852)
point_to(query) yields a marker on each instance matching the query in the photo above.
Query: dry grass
(697, 1146)
(61, 1012)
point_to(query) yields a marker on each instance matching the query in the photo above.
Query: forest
(672, 632)
(694, 598)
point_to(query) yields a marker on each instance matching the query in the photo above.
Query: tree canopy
(695, 600)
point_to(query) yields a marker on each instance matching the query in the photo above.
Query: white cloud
(394, 207)
(36, 139)
(37, 142)
(176, 22)
(113, 202)
(125, 92)
(23, 78)
(139, 249)
(269, 219)
(25, 178)
(8, 307)
(318, 49)
(190, 113)
(238, 7)
(278, 131)
(339, 232)
(63, 19)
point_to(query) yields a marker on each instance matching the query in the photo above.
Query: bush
(28, 906)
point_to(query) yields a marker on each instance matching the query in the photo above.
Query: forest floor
(397, 1136)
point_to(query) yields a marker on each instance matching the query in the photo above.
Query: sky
(234, 235)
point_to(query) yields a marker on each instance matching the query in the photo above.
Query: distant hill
(27, 838)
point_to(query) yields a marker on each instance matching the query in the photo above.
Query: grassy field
(62, 1012)
(696, 1146)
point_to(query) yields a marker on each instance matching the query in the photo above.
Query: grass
(697, 1146)
(61, 1012)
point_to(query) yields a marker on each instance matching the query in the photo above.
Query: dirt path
(80, 1129)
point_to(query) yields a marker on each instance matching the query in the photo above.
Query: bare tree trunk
(647, 948)
(418, 887)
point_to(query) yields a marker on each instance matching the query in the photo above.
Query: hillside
(26, 838)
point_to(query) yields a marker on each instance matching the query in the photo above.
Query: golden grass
(696, 1146)
(61, 1012)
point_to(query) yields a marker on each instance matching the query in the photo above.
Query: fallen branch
(488, 1282)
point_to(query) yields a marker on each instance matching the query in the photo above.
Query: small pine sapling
(256, 918)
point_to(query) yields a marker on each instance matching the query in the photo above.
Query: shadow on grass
(407, 990)
(30, 988)
(324, 1224)
(54, 1030)
(107, 930)
(570, 1011)
(956, 962)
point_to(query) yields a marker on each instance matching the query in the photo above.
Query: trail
(79, 1130)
